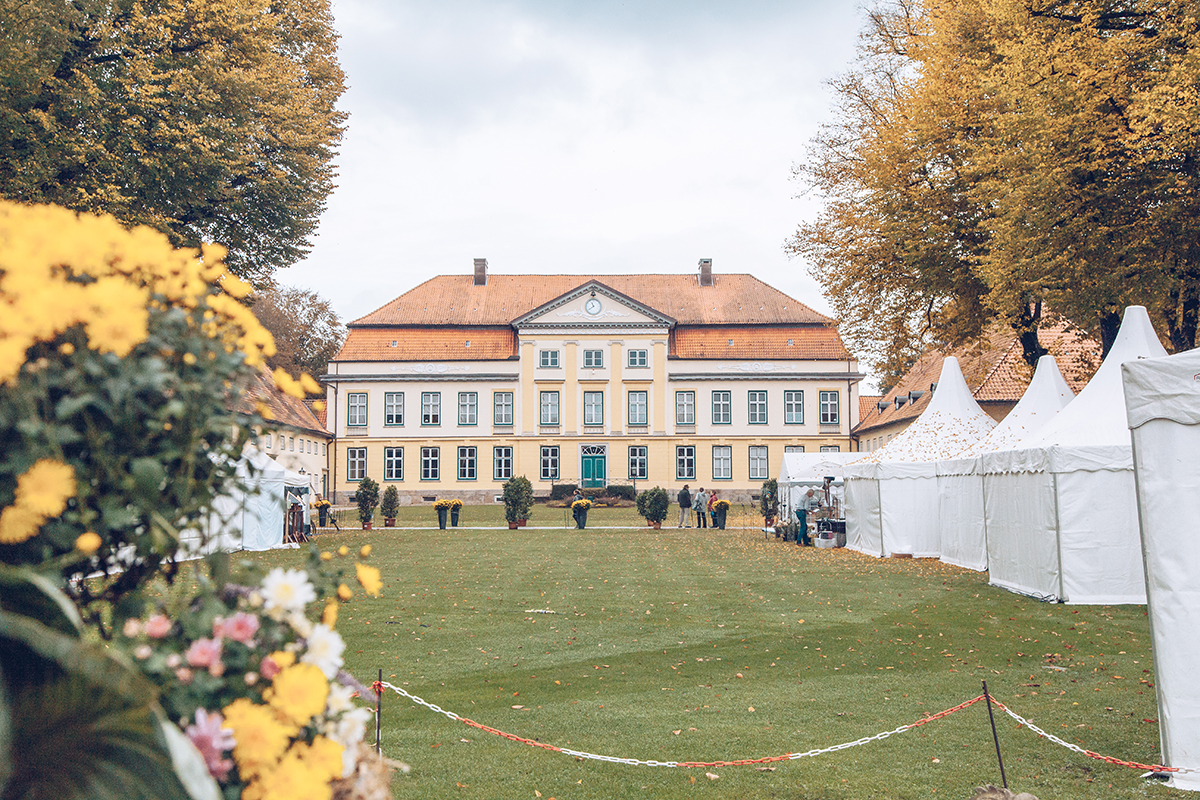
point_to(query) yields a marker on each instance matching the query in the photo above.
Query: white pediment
(593, 305)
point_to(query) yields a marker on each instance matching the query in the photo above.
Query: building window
(468, 408)
(356, 463)
(758, 463)
(637, 358)
(831, 448)
(431, 463)
(466, 463)
(639, 468)
(323, 449)
(548, 358)
(593, 408)
(758, 408)
(393, 463)
(503, 413)
(722, 408)
(292, 443)
(829, 408)
(722, 467)
(393, 408)
(593, 359)
(356, 409)
(685, 462)
(550, 463)
(549, 405)
(793, 408)
(639, 408)
(685, 408)
(268, 439)
(502, 463)
(431, 408)
(793, 448)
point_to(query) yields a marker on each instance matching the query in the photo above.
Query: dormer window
(901, 399)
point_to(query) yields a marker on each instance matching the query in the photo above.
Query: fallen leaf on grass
(518, 706)
(467, 741)
(712, 776)
(765, 769)
(677, 732)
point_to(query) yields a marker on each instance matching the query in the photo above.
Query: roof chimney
(480, 272)
(706, 272)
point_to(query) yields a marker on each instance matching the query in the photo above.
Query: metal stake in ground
(379, 714)
(995, 738)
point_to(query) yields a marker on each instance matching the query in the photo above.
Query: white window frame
(760, 462)
(593, 359)
(685, 407)
(756, 407)
(793, 406)
(548, 359)
(431, 463)
(393, 408)
(502, 408)
(550, 462)
(548, 403)
(639, 408)
(793, 448)
(831, 448)
(722, 407)
(639, 462)
(502, 463)
(356, 410)
(685, 462)
(830, 408)
(637, 359)
(431, 408)
(356, 463)
(593, 408)
(722, 462)
(393, 463)
(468, 463)
(468, 408)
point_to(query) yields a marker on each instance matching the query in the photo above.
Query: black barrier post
(995, 738)
(379, 714)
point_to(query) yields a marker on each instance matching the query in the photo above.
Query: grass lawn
(720, 645)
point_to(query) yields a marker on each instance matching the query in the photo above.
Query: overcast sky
(573, 137)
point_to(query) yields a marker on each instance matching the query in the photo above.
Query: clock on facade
(592, 306)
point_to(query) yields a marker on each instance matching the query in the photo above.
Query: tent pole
(1058, 535)
(379, 713)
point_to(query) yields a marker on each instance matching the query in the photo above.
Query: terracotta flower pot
(512, 526)
(521, 523)
(657, 526)
(389, 522)
(368, 525)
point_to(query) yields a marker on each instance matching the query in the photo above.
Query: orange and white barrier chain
(652, 763)
(1107, 759)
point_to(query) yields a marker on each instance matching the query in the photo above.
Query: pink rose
(241, 627)
(268, 668)
(203, 652)
(158, 626)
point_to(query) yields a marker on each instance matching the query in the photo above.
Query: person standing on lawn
(700, 505)
(685, 507)
(712, 512)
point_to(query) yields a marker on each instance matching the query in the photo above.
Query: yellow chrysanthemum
(261, 738)
(369, 578)
(344, 591)
(324, 754)
(364, 551)
(343, 550)
(17, 524)
(330, 614)
(88, 543)
(299, 693)
(294, 778)
(45, 487)
(283, 658)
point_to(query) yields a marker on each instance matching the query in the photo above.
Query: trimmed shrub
(622, 491)
(562, 491)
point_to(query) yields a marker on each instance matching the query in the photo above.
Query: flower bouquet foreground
(258, 687)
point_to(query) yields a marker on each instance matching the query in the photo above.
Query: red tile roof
(454, 300)
(866, 404)
(284, 409)
(994, 369)
(428, 344)
(811, 342)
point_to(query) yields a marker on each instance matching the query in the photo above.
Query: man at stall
(809, 503)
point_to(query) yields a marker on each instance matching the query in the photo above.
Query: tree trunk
(1026, 325)
(1110, 323)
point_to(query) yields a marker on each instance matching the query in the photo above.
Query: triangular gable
(592, 305)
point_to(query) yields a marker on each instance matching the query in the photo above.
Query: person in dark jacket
(685, 507)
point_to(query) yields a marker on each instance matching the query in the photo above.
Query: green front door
(593, 470)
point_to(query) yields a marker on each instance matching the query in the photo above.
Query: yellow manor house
(651, 380)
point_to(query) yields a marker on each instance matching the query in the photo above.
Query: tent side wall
(1098, 538)
(1022, 533)
(863, 532)
(960, 520)
(909, 515)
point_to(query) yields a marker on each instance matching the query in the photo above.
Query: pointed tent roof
(1048, 393)
(1097, 415)
(951, 423)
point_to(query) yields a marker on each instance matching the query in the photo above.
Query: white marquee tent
(251, 519)
(891, 496)
(1061, 513)
(961, 517)
(1162, 396)
(803, 471)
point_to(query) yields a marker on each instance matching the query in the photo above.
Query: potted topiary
(389, 506)
(517, 495)
(579, 509)
(455, 508)
(653, 504)
(768, 503)
(367, 498)
(442, 507)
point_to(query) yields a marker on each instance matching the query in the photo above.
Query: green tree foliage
(308, 332)
(209, 121)
(367, 498)
(995, 159)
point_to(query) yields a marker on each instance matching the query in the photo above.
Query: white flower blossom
(300, 624)
(339, 699)
(288, 590)
(324, 650)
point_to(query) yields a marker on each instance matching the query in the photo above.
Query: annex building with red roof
(659, 379)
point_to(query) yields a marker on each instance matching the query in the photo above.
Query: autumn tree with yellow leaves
(1001, 160)
(210, 121)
